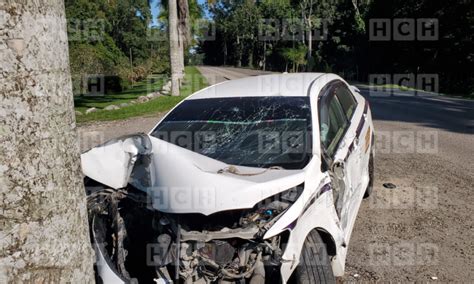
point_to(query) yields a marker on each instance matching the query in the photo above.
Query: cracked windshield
(251, 131)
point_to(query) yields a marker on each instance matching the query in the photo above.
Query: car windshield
(246, 131)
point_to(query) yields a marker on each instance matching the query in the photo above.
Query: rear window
(347, 100)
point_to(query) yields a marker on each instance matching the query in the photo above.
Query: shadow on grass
(152, 84)
(193, 82)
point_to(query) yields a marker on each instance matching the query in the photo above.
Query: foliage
(263, 33)
(296, 56)
(113, 38)
(450, 57)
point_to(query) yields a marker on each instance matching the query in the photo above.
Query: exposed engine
(149, 246)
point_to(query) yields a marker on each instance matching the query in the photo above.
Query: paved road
(423, 228)
(216, 75)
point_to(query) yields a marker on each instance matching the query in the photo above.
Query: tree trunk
(264, 55)
(239, 50)
(175, 54)
(250, 58)
(184, 21)
(310, 47)
(44, 234)
(185, 38)
(181, 41)
(225, 52)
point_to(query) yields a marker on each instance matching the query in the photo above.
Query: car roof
(293, 84)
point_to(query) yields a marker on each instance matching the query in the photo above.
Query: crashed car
(256, 180)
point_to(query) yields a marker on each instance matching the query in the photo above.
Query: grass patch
(193, 81)
(151, 84)
(395, 87)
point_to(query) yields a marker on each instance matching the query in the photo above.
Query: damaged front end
(136, 241)
(139, 242)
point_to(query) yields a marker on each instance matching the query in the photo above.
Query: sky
(155, 10)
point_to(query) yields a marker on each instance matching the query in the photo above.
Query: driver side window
(332, 121)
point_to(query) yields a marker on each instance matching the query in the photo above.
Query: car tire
(370, 186)
(315, 265)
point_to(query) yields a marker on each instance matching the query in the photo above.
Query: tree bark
(250, 57)
(44, 234)
(264, 55)
(225, 52)
(239, 50)
(184, 17)
(185, 38)
(181, 41)
(175, 50)
(309, 29)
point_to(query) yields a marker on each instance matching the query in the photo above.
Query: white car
(255, 180)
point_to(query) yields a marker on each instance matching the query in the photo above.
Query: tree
(176, 51)
(43, 214)
(187, 11)
(184, 28)
(105, 34)
(296, 56)
(307, 15)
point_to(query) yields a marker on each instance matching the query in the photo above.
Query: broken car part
(242, 182)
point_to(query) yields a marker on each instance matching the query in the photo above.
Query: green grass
(193, 81)
(394, 86)
(152, 83)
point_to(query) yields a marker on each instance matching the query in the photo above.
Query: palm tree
(176, 48)
(44, 230)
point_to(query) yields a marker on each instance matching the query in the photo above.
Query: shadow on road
(455, 115)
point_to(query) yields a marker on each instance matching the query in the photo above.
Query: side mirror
(338, 169)
(354, 89)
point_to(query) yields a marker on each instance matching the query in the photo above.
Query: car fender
(309, 221)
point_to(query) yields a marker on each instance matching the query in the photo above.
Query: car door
(341, 148)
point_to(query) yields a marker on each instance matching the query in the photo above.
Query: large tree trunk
(44, 235)
(184, 18)
(181, 54)
(176, 53)
(184, 29)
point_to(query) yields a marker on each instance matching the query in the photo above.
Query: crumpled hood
(182, 181)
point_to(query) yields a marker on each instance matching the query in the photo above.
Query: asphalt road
(423, 229)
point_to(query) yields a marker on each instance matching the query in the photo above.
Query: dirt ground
(420, 231)
(93, 134)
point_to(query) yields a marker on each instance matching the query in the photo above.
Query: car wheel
(370, 186)
(315, 265)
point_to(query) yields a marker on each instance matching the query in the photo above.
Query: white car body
(188, 182)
